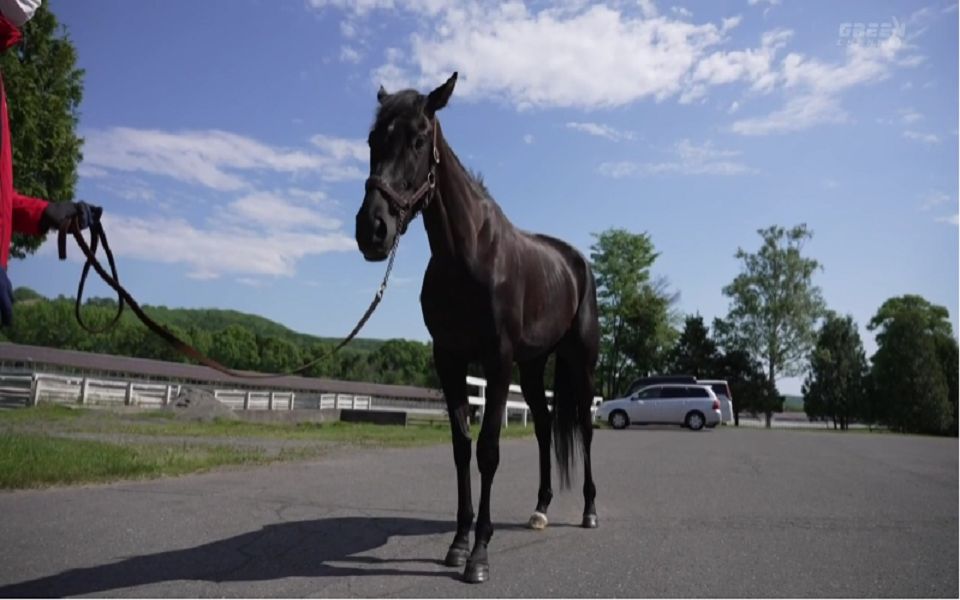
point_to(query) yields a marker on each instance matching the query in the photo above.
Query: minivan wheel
(695, 420)
(618, 419)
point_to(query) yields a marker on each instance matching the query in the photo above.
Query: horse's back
(572, 258)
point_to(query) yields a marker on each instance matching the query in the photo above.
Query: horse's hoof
(538, 521)
(456, 557)
(476, 573)
(589, 522)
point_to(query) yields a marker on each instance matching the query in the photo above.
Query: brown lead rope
(98, 237)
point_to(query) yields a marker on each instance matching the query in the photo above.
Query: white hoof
(538, 521)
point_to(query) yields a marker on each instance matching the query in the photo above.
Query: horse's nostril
(380, 231)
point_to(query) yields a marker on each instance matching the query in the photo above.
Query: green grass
(161, 423)
(42, 413)
(38, 445)
(37, 460)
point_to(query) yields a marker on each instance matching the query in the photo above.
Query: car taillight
(716, 405)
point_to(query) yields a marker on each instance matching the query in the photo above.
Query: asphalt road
(719, 513)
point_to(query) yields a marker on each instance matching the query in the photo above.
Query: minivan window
(674, 392)
(720, 389)
(698, 392)
(649, 393)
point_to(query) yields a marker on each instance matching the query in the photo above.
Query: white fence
(67, 389)
(512, 405)
(78, 390)
(253, 400)
(332, 401)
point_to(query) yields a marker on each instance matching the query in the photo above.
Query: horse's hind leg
(531, 381)
(586, 350)
(453, 378)
(586, 433)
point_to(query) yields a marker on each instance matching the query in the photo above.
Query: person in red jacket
(19, 213)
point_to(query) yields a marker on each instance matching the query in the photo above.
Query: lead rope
(99, 237)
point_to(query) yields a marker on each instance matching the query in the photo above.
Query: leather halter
(406, 206)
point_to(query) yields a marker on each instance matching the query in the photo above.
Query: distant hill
(793, 404)
(215, 319)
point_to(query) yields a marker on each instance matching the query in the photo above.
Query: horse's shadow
(292, 549)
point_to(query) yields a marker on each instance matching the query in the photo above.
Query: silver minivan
(692, 406)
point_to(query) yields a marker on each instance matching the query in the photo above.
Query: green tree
(914, 369)
(402, 362)
(695, 352)
(752, 391)
(635, 313)
(774, 304)
(278, 355)
(44, 93)
(650, 332)
(235, 347)
(834, 387)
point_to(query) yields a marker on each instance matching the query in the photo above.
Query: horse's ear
(438, 98)
(381, 95)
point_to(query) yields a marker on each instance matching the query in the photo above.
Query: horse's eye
(418, 142)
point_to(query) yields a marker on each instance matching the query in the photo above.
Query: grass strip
(30, 460)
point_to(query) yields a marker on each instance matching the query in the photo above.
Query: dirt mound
(199, 405)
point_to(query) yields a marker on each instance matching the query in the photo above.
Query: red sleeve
(26, 214)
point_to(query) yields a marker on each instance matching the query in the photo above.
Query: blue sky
(225, 140)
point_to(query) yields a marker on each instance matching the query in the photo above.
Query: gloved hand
(6, 299)
(58, 213)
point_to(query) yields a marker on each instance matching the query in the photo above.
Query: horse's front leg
(488, 458)
(453, 378)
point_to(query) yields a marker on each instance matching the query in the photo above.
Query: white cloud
(573, 56)
(951, 220)
(213, 158)
(909, 116)
(688, 159)
(796, 115)
(342, 149)
(593, 55)
(813, 88)
(349, 54)
(601, 130)
(753, 66)
(214, 251)
(272, 212)
(919, 136)
(933, 199)
(647, 8)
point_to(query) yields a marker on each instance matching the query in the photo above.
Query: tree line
(778, 325)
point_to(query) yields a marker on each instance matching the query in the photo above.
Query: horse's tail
(566, 433)
(573, 380)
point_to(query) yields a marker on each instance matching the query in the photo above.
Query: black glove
(58, 213)
(6, 299)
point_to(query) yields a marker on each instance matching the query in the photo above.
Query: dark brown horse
(492, 294)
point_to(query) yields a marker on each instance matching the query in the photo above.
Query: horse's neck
(458, 213)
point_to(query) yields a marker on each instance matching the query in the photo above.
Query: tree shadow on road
(293, 549)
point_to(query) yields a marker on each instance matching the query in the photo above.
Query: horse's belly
(458, 314)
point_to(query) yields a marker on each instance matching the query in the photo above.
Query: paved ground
(718, 513)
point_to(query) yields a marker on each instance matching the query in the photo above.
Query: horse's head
(403, 158)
